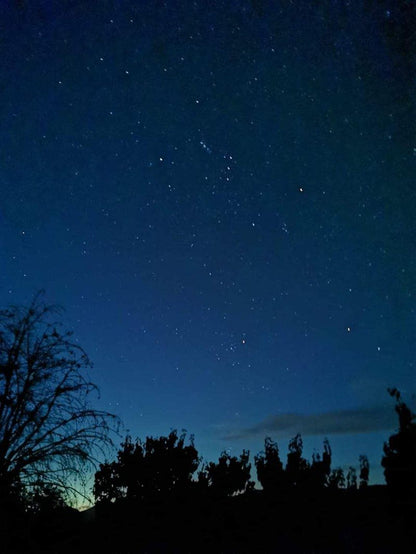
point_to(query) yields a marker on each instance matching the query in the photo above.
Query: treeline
(157, 495)
(51, 438)
(171, 465)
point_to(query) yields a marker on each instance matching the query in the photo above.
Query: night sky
(221, 196)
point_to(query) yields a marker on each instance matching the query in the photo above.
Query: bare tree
(49, 434)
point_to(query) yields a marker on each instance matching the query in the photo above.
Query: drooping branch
(47, 426)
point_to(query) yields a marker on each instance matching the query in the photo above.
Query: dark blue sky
(221, 195)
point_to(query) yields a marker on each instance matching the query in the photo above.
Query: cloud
(338, 422)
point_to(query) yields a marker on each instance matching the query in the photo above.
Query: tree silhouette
(46, 499)
(320, 467)
(108, 486)
(49, 436)
(270, 472)
(364, 471)
(399, 460)
(297, 468)
(229, 476)
(299, 472)
(336, 479)
(156, 467)
(352, 479)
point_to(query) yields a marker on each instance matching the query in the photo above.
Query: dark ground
(331, 522)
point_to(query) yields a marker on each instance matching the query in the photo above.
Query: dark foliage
(46, 499)
(336, 479)
(364, 471)
(320, 468)
(298, 473)
(352, 479)
(297, 467)
(270, 472)
(156, 467)
(149, 502)
(399, 460)
(148, 496)
(230, 475)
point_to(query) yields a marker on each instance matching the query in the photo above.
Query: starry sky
(221, 196)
